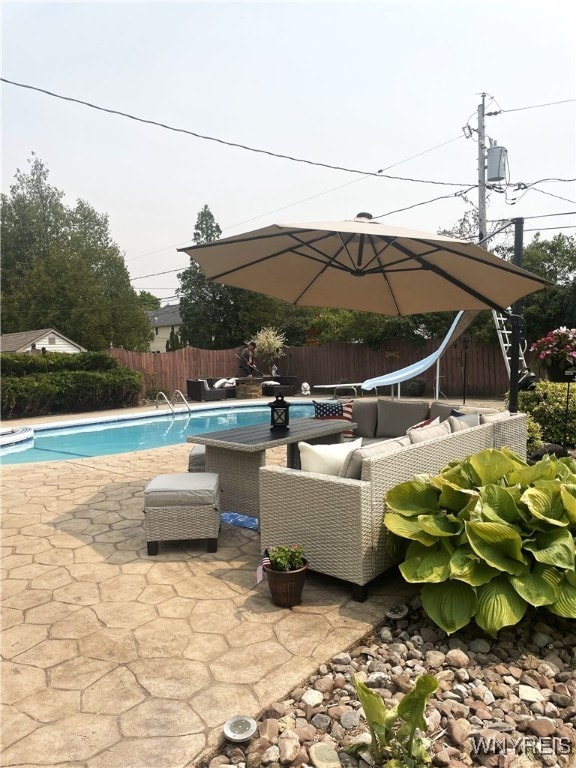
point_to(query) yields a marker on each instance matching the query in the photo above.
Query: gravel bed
(505, 703)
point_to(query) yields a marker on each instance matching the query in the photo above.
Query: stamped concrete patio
(112, 658)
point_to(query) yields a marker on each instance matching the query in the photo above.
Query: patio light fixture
(239, 728)
(279, 417)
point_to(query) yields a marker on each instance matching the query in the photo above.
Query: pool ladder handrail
(186, 403)
(176, 392)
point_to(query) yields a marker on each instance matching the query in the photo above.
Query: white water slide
(460, 324)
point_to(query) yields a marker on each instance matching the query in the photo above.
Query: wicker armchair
(198, 389)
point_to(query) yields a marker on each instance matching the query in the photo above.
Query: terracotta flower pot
(286, 586)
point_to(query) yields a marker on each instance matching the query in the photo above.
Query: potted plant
(285, 568)
(557, 350)
(416, 387)
(270, 346)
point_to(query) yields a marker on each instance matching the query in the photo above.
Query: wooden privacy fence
(331, 363)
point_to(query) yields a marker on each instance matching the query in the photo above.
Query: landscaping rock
(522, 684)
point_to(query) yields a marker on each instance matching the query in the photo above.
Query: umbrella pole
(516, 310)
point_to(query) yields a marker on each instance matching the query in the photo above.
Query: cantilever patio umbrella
(364, 265)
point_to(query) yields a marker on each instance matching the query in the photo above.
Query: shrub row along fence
(330, 363)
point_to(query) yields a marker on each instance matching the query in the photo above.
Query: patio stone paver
(113, 658)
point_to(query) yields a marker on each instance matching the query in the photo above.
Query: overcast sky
(366, 86)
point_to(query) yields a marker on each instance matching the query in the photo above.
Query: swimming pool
(85, 440)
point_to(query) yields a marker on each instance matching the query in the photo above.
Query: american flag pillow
(334, 409)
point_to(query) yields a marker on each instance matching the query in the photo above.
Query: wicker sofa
(338, 520)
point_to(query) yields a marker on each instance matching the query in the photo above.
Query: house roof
(169, 315)
(19, 342)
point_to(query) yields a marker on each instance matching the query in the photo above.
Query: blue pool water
(135, 434)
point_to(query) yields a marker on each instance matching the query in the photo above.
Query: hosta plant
(489, 536)
(397, 740)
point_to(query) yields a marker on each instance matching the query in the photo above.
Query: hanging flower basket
(559, 373)
(557, 351)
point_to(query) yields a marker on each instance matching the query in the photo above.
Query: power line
(425, 202)
(540, 216)
(307, 199)
(543, 229)
(551, 194)
(533, 106)
(378, 174)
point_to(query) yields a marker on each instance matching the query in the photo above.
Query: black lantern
(279, 418)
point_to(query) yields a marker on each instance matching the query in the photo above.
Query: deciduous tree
(61, 269)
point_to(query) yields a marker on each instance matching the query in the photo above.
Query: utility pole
(481, 170)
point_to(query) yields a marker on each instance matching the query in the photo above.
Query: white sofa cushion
(352, 466)
(430, 433)
(326, 459)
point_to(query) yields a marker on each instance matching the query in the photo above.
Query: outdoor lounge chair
(198, 389)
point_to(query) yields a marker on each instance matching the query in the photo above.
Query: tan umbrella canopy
(364, 265)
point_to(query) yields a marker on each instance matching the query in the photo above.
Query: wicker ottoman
(183, 505)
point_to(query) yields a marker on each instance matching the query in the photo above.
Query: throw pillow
(425, 423)
(458, 423)
(334, 409)
(220, 383)
(325, 459)
(352, 466)
(430, 433)
(488, 418)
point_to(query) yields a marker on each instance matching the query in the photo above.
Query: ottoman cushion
(197, 459)
(182, 489)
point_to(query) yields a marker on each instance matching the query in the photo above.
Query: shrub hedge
(546, 403)
(68, 391)
(16, 364)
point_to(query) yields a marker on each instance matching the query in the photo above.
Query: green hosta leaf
(411, 707)
(430, 564)
(538, 586)
(545, 504)
(568, 499)
(450, 605)
(570, 578)
(491, 465)
(554, 547)
(566, 603)
(498, 544)
(380, 719)
(465, 565)
(499, 605)
(408, 528)
(414, 497)
(567, 470)
(440, 525)
(515, 458)
(545, 469)
(498, 504)
(452, 497)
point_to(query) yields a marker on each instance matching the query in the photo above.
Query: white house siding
(52, 342)
(158, 343)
